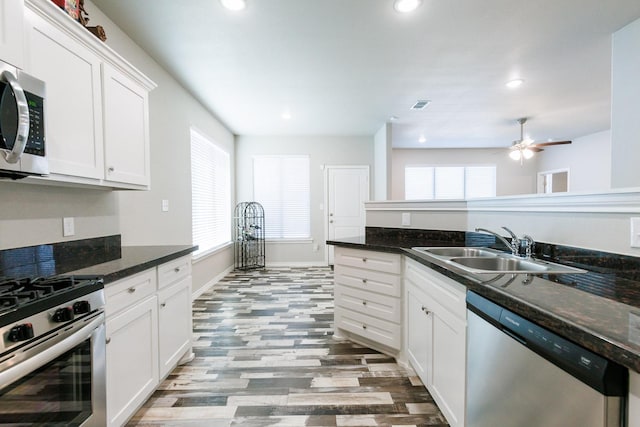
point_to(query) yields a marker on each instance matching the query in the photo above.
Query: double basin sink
(485, 260)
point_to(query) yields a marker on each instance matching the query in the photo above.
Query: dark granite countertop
(100, 256)
(599, 310)
(135, 259)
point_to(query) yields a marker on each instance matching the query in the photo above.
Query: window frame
(433, 182)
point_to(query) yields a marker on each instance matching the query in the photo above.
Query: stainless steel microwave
(22, 127)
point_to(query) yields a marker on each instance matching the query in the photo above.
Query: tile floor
(265, 356)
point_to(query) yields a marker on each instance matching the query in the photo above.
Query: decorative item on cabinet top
(75, 9)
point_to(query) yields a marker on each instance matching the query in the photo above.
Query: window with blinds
(449, 182)
(210, 193)
(281, 186)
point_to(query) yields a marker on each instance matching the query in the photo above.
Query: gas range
(31, 308)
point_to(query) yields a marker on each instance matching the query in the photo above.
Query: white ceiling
(343, 67)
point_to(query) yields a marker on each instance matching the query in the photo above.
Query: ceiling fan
(525, 148)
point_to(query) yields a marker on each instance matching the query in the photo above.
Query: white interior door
(346, 191)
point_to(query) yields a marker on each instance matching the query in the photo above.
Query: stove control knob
(81, 307)
(20, 332)
(63, 314)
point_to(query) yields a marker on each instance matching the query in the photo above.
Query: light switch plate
(406, 218)
(635, 232)
(68, 227)
(165, 205)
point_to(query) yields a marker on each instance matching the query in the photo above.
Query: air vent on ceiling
(421, 104)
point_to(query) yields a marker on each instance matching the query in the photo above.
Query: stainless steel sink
(459, 252)
(483, 260)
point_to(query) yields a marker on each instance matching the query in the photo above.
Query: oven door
(59, 381)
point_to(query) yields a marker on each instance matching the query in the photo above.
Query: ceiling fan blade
(535, 149)
(547, 144)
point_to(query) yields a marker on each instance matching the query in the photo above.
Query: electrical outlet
(635, 232)
(406, 218)
(68, 227)
(165, 205)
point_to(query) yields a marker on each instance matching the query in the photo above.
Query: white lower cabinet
(148, 330)
(132, 359)
(368, 298)
(435, 331)
(174, 314)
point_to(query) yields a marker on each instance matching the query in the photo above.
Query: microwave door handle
(23, 119)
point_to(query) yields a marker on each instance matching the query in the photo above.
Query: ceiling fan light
(234, 5)
(527, 153)
(516, 154)
(405, 6)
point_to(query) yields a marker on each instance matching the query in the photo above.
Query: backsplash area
(623, 266)
(57, 258)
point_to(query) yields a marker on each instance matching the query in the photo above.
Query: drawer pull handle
(364, 281)
(111, 169)
(427, 312)
(164, 304)
(177, 269)
(364, 326)
(131, 290)
(364, 260)
(108, 340)
(364, 303)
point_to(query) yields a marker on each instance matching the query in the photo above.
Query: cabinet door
(11, 32)
(174, 316)
(419, 334)
(132, 359)
(126, 128)
(449, 350)
(73, 105)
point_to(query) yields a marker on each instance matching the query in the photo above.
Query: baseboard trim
(297, 264)
(204, 288)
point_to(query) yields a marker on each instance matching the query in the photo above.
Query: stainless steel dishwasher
(522, 375)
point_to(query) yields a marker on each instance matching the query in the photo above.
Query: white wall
(32, 214)
(625, 107)
(172, 111)
(588, 159)
(322, 150)
(511, 177)
(382, 169)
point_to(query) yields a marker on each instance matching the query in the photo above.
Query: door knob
(331, 222)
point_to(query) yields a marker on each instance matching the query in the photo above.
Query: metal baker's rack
(249, 236)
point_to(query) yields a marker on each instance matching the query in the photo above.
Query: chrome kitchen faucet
(515, 244)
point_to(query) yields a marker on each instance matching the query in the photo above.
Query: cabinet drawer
(377, 330)
(174, 271)
(378, 261)
(369, 303)
(373, 281)
(123, 293)
(448, 293)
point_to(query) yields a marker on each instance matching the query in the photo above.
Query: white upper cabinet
(11, 32)
(73, 103)
(126, 128)
(96, 108)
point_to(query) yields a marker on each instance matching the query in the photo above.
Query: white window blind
(449, 182)
(418, 183)
(480, 181)
(281, 186)
(210, 193)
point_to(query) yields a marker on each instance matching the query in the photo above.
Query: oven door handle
(43, 357)
(23, 119)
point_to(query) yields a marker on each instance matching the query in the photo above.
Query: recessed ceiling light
(422, 139)
(286, 115)
(393, 118)
(234, 4)
(512, 84)
(405, 6)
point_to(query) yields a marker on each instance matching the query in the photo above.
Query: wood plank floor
(265, 356)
